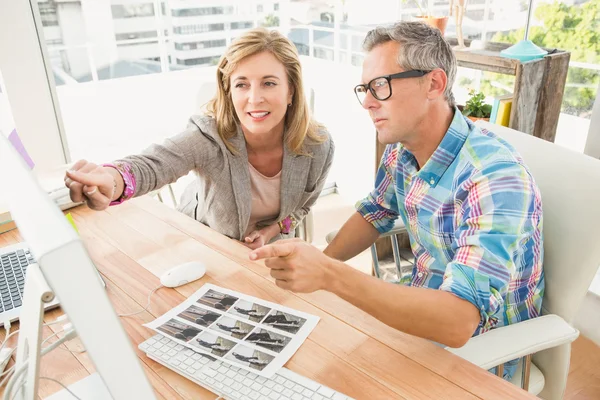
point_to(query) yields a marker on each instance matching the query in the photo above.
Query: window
(48, 14)
(194, 12)
(242, 25)
(132, 10)
(149, 58)
(135, 35)
(201, 45)
(200, 61)
(198, 28)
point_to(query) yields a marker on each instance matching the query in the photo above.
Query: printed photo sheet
(253, 334)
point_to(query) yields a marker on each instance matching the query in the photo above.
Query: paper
(250, 333)
(18, 145)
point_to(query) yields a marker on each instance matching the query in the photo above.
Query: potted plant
(476, 108)
(426, 17)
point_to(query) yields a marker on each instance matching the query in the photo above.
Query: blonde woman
(260, 159)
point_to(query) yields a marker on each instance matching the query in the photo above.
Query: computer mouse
(182, 274)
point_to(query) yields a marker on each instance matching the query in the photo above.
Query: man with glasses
(470, 205)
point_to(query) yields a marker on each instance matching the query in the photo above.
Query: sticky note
(72, 221)
(18, 145)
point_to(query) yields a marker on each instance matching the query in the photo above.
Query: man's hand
(296, 265)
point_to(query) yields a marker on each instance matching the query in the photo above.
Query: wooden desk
(349, 350)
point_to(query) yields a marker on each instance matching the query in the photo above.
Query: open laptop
(14, 261)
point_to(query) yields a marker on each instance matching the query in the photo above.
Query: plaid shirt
(474, 217)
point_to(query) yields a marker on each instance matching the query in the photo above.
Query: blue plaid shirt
(474, 218)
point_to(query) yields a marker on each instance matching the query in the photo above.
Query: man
(471, 207)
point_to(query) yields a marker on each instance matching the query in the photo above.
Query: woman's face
(260, 93)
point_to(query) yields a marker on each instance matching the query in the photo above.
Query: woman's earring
(289, 105)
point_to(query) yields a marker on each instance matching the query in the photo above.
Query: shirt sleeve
(501, 216)
(380, 207)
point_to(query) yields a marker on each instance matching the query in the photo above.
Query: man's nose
(370, 102)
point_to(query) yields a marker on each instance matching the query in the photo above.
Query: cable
(147, 305)
(15, 377)
(66, 388)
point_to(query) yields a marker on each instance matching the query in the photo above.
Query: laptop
(14, 261)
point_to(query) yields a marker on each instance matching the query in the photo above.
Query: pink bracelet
(287, 224)
(128, 180)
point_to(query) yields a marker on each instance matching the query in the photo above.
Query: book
(7, 226)
(503, 117)
(496, 106)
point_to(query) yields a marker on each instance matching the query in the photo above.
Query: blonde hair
(298, 119)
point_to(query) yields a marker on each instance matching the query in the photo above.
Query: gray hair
(421, 47)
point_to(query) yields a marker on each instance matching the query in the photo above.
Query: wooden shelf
(538, 89)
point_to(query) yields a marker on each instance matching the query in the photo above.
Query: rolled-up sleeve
(380, 207)
(500, 217)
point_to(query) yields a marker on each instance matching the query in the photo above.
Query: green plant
(476, 107)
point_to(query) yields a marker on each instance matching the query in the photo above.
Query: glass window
(132, 10)
(48, 14)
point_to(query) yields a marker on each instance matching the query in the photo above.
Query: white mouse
(182, 274)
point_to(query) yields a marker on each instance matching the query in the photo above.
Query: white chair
(570, 186)
(396, 251)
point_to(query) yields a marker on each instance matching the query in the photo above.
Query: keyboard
(231, 382)
(12, 278)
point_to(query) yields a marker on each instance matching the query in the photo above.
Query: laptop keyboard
(12, 278)
(231, 382)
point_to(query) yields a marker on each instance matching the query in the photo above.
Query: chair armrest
(399, 227)
(517, 340)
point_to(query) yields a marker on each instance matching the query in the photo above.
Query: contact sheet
(245, 331)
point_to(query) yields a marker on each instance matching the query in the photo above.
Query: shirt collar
(448, 149)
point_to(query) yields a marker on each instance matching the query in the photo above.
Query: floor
(330, 213)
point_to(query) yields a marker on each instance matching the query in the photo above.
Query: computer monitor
(69, 273)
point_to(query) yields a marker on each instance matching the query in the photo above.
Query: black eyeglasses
(381, 87)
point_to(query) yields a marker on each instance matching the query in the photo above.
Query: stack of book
(501, 110)
(6, 222)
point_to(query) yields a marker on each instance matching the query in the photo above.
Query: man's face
(397, 118)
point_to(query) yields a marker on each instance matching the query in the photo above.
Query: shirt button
(432, 181)
(420, 274)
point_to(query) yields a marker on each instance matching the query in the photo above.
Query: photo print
(250, 311)
(199, 315)
(217, 300)
(269, 340)
(249, 357)
(232, 327)
(179, 330)
(212, 343)
(284, 321)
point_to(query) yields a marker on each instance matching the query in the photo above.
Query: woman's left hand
(255, 240)
(261, 237)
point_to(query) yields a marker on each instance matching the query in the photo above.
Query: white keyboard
(230, 382)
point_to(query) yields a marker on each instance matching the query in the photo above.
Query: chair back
(569, 183)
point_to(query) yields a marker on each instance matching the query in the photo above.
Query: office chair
(399, 254)
(570, 186)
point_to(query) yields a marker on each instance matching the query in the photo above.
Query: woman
(259, 157)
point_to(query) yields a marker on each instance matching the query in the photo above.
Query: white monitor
(70, 274)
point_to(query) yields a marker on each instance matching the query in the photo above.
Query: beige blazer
(220, 195)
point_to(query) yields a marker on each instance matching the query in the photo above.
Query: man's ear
(437, 84)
